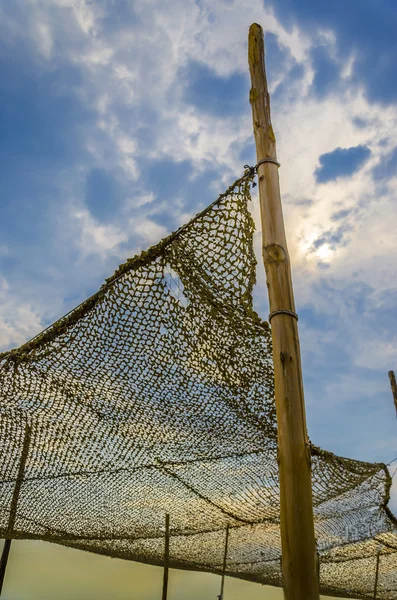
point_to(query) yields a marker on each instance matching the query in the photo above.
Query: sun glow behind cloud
(123, 123)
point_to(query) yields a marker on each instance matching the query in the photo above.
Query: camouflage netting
(156, 396)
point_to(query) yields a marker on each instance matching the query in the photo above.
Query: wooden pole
(14, 505)
(3, 561)
(393, 385)
(166, 556)
(299, 575)
(220, 597)
(377, 574)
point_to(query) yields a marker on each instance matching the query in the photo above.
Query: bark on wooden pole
(393, 385)
(14, 505)
(299, 575)
(166, 556)
(220, 597)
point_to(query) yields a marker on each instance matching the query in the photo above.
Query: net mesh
(156, 396)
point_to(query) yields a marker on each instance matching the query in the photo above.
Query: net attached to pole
(156, 396)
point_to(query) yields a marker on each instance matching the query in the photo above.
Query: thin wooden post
(220, 597)
(393, 386)
(299, 575)
(166, 556)
(377, 574)
(3, 561)
(14, 505)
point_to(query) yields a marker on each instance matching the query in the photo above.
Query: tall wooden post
(166, 557)
(4, 561)
(299, 575)
(14, 505)
(393, 386)
(220, 597)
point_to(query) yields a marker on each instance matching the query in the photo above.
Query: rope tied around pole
(254, 170)
(291, 313)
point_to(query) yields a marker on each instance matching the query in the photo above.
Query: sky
(121, 119)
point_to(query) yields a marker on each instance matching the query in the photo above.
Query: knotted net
(156, 396)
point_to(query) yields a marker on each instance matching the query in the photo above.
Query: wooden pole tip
(256, 45)
(256, 29)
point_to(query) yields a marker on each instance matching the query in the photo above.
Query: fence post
(166, 556)
(220, 597)
(14, 505)
(377, 573)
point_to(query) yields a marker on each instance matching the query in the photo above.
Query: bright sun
(323, 252)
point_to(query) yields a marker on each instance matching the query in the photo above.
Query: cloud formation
(119, 125)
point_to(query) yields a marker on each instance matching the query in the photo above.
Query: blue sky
(120, 120)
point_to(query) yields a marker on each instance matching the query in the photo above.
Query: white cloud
(44, 39)
(138, 200)
(96, 238)
(18, 319)
(150, 231)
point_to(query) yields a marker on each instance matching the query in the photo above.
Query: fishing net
(156, 396)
